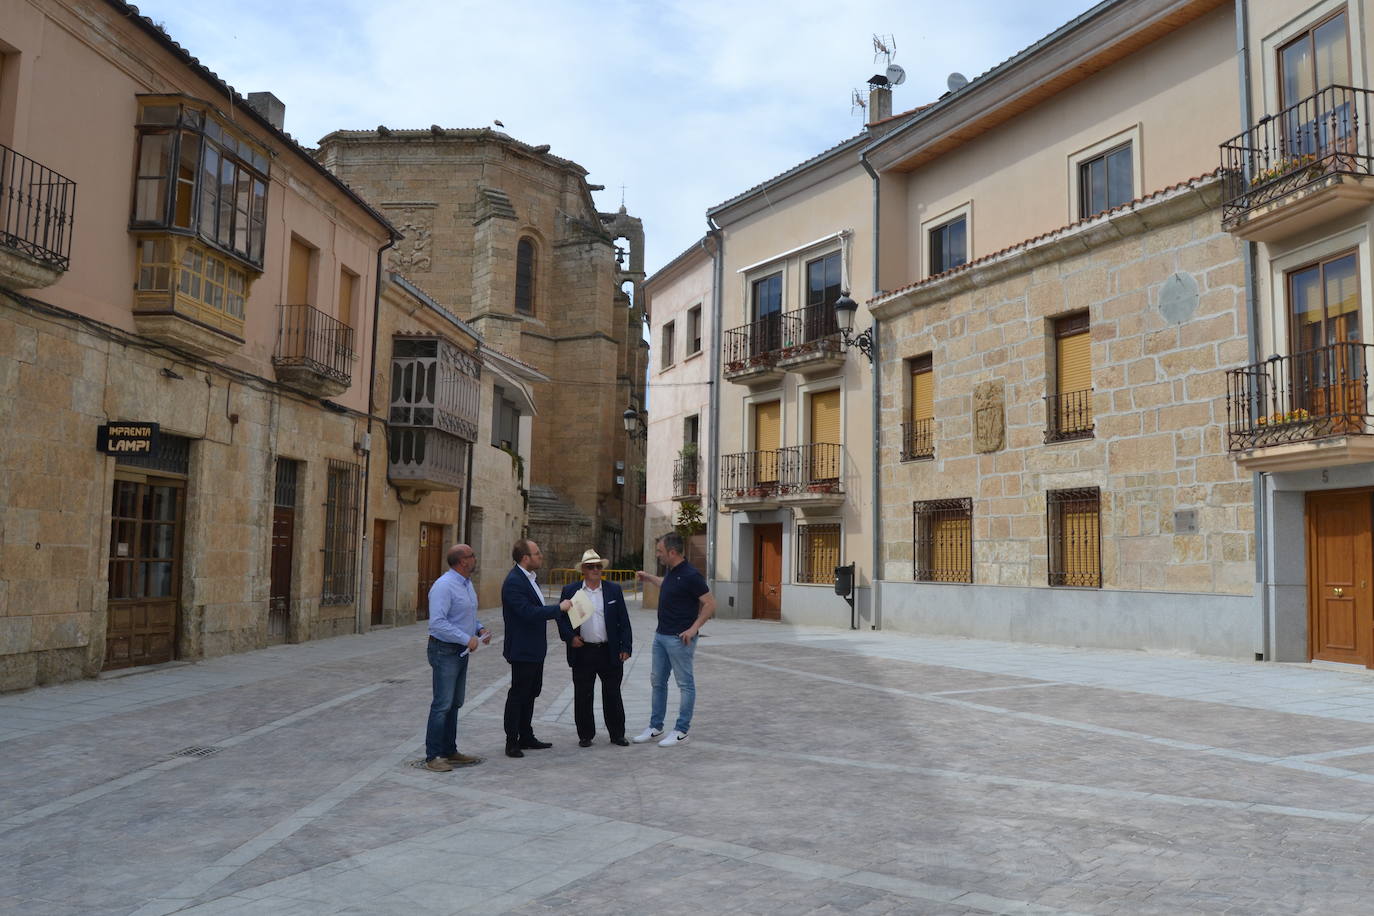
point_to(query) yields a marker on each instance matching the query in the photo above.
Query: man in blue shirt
(685, 603)
(454, 634)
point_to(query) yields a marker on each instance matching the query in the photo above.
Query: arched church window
(524, 277)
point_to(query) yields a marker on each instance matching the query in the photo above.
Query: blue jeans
(669, 652)
(450, 669)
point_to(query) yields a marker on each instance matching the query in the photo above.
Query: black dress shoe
(513, 749)
(620, 741)
(534, 744)
(584, 742)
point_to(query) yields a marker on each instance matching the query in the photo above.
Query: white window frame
(1131, 135)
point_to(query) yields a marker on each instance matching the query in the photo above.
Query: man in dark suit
(526, 616)
(598, 648)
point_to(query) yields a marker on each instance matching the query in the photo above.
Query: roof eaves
(842, 146)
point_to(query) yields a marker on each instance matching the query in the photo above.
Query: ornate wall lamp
(845, 308)
(635, 427)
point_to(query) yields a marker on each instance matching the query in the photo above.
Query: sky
(685, 103)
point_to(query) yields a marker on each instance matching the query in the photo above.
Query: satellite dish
(956, 81)
(895, 74)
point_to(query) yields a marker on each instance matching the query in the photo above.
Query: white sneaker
(647, 735)
(673, 739)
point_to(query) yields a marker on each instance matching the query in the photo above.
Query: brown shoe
(463, 760)
(438, 765)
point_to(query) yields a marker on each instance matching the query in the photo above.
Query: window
(1324, 303)
(505, 422)
(340, 528)
(524, 277)
(348, 293)
(949, 245)
(943, 546)
(1105, 181)
(694, 330)
(199, 176)
(300, 270)
(667, 358)
(182, 275)
(823, 283)
(818, 553)
(691, 431)
(1069, 408)
(1075, 544)
(1326, 375)
(1317, 58)
(766, 304)
(918, 433)
(767, 439)
(822, 467)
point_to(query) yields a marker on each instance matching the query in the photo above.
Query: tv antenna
(884, 46)
(857, 103)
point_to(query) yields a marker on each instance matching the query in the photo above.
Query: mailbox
(844, 580)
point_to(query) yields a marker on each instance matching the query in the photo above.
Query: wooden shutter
(1075, 363)
(825, 430)
(298, 275)
(922, 393)
(347, 285)
(767, 438)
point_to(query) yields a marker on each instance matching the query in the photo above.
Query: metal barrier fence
(561, 577)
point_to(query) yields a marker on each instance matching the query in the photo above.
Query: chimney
(270, 107)
(879, 100)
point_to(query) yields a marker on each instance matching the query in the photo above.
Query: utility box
(844, 580)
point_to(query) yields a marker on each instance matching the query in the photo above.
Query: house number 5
(1326, 476)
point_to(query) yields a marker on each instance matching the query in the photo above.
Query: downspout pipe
(365, 554)
(1250, 258)
(877, 374)
(713, 453)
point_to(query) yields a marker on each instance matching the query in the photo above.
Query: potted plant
(687, 455)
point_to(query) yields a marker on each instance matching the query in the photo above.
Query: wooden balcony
(314, 351)
(37, 207)
(1307, 410)
(426, 459)
(1300, 168)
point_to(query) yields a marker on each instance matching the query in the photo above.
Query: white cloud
(686, 102)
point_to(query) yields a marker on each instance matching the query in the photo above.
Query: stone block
(1143, 453)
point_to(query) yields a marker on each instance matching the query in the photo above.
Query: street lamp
(634, 426)
(845, 308)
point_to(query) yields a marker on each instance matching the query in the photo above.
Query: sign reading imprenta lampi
(126, 437)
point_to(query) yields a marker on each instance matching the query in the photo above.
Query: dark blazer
(526, 619)
(618, 633)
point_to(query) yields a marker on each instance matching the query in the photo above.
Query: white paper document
(581, 609)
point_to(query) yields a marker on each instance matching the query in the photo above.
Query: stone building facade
(508, 236)
(183, 358)
(1065, 307)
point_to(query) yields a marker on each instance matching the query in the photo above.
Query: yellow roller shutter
(825, 430)
(346, 287)
(1075, 381)
(298, 275)
(922, 395)
(1082, 565)
(767, 438)
(823, 553)
(950, 558)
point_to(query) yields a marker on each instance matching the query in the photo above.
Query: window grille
(340, 533)
(1074, 524)
(818, 553)
(284, 493)
(172, 456)
(943, 544)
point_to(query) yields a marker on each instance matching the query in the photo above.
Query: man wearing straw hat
(597, 648)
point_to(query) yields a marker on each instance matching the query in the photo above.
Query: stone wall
(1164, 288)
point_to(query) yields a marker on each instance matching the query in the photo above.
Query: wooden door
(145, 572)
(279, 595)
(431, 565)
(378, 570)
(768, 572)
(1340, 610)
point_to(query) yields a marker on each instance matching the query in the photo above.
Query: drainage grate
(195, 751)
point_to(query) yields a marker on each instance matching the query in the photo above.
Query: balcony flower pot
(822, 488)
(758, 492)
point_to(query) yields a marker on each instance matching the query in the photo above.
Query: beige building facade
(507, 235)
(680, 301)
(1063, 307)
(795, 418)
(184, 358)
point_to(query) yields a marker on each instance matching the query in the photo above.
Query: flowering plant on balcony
(1285, 166)
(1299, 415)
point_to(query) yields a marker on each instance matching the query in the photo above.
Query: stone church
(508, 236)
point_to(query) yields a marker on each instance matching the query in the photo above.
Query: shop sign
(127, 437)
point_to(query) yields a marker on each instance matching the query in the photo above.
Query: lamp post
(845, 308)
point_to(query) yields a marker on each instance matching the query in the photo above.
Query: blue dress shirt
(453, 609)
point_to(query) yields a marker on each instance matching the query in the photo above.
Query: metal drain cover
(197, 751)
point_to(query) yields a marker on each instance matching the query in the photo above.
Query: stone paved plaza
(828, 771)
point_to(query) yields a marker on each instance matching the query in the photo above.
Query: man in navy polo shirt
(685, 603)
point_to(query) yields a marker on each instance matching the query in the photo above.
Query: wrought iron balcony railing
(1299, 398)
(817, 467)
(749, 475)
(1069, 415)
(312, 340)
(918, 440)
(1315, 137)
(37, 207)
(753, 344)
(814, 322)
(686, 475)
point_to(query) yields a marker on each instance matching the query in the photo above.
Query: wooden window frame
(1294, 335)
(926, 515)
(1309, 34)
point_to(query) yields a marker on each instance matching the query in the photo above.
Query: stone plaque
(1178, 298)
(989, 416)
(1185, 521)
